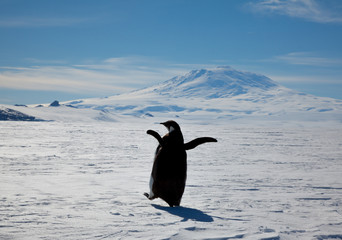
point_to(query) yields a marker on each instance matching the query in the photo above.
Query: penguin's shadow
(186, 213)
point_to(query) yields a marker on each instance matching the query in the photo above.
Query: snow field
(86, 180)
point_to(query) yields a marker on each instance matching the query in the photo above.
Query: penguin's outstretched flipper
(194, 143)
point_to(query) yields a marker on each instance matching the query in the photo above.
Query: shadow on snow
(186, 213)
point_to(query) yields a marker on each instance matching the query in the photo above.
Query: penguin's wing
(194, 143)
(156, 135)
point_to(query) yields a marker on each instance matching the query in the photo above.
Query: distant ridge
(8, 114)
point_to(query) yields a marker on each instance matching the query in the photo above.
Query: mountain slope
(217, 83)
(8, 114)
(222, 94)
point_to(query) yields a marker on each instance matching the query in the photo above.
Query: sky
(64, 50)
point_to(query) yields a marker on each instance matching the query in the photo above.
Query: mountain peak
(222, 81)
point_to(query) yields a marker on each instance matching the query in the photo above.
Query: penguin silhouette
(169, 169)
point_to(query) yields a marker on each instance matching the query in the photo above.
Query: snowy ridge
(222, 95)
(8, 114)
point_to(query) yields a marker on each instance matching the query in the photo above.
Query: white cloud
(57, 78)
(298, 79)
(135, 71)
(110, 76)
(308, 68)
(310, 10)
(309, 59)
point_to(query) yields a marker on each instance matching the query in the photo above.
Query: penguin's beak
(167, 126)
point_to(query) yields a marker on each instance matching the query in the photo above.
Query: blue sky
(75, 49)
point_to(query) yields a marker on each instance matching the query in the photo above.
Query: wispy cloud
(310, 10)
(322, 70)
(57, 78)
(110, 76)
(41, 22)
(300, 79)
(135, 71)
(309, 59)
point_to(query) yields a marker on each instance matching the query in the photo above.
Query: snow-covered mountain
(221, 94)
(217, 83)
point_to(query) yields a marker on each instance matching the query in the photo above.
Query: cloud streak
(309, 10)
(306, 79)
(308, 59)
(57, 78)
(110, 76)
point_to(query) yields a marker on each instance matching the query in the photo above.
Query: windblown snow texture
(85, 181)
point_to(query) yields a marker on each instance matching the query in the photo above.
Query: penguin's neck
(176, 136)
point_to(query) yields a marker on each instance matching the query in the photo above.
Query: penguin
(169, 169)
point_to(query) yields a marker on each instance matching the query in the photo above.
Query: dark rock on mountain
(8, 114)
(55, 104)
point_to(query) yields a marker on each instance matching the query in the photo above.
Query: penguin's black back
(169, 169)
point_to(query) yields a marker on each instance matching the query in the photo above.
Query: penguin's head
(171, 126)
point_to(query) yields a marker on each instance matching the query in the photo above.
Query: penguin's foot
(177, 204)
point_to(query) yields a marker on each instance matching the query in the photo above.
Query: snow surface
(85, 180)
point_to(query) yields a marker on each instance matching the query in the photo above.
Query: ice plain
(85, 180)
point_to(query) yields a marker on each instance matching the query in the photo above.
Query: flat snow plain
(86, 181)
